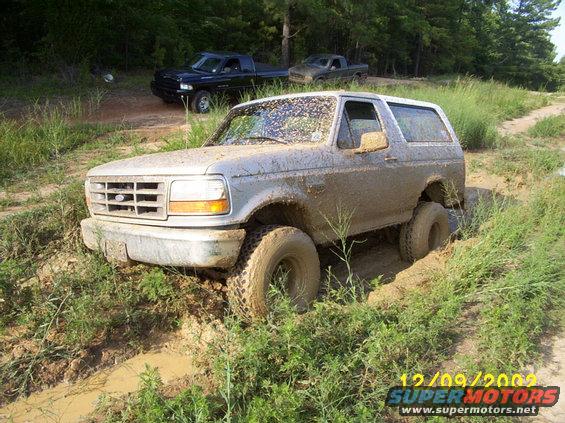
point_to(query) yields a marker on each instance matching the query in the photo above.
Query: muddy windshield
(288, 121)
(318, 61)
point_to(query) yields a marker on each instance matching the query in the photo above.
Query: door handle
(390, 159)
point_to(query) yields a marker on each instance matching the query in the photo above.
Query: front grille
(167, 83)
(296, 76)
(128, 197)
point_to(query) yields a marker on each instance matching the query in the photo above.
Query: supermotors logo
(477, 400)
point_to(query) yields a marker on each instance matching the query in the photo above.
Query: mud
(69, 402)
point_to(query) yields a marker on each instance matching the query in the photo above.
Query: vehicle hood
(306, 70)
(237, 160)
(182, 75)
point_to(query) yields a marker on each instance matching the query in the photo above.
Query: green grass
(521, 161)
(50, 85)
(43, 137)
(549, 127)
(336, 362)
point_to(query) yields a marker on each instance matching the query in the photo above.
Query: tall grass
(550, 127)
(336, 362)
(44, 135)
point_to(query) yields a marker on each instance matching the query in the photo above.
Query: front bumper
(163, 246)
(170, 94)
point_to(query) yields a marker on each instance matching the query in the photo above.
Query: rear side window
(246, 64)
(420, 124)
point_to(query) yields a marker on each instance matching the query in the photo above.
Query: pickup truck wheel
(201, 102)
(426, 231)
(265, 252)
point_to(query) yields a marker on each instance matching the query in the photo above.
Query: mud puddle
(70, 402)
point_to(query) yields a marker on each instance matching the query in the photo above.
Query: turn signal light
(200, 207)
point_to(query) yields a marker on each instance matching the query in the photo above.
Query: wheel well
(286, 214)
(434, 192)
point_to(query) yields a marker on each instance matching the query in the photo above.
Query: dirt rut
(69, 402)
(522, 124)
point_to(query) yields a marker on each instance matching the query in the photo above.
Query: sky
(558, 34)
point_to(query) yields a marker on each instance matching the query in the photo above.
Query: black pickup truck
(210, 73)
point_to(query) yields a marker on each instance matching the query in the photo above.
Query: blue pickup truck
(210, 73)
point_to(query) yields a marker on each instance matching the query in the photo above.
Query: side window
(420, 124)
(246, 64)
(336, 64)
(358, 118)
(232, 65)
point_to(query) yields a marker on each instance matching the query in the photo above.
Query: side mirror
(333, 68)
(226, 70)
(372, 141)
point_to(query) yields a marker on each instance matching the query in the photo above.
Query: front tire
(201, 102)
(428, 230)
(264, 252)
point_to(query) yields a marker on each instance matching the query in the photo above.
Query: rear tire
(427, 230)
(264, 251)
(201, 102)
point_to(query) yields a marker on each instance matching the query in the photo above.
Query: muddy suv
(262, 192)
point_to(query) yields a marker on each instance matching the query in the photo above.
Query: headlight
(199, 196)
(185, 86)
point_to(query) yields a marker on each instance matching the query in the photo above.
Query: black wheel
(427, 230)
(201, 102)
(268, 253)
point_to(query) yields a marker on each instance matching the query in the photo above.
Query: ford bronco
(259, 195)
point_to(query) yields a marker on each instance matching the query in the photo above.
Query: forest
(508, 40)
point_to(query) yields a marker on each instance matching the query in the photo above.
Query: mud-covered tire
(262, 252)
(201, 102)
(427, 230)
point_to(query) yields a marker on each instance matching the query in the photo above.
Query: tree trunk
(286, 38)
(418, 55)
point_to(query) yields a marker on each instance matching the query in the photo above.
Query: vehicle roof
(348, 94)
(326, 55)
(222, 53)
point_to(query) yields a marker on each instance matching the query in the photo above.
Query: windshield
(286, 121)
(318, 61)
(204, 63)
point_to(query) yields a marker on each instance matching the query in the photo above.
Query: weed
(550, 127)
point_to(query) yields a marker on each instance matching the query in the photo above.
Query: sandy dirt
(552, 373)
(175, 357)
(524, 123)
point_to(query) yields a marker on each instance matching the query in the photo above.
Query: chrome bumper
(163, 246)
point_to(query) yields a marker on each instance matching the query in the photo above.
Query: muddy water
(68, 402)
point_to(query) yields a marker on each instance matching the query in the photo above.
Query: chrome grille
(128, 197)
